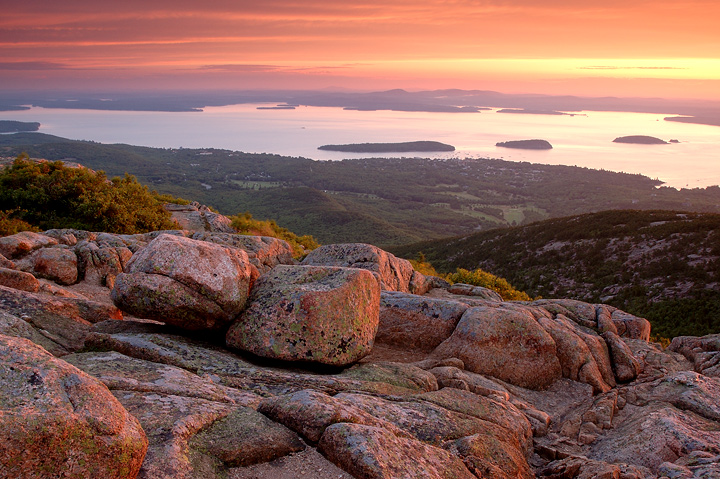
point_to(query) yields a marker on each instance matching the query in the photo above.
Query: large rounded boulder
(320, 314)
(187, 283)
(56, 421)
(506, 343)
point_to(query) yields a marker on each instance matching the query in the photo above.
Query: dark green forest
(661, 265)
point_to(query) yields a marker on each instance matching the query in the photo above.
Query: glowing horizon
(665, 48)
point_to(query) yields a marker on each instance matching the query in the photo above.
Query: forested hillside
(377, 200)
(661, 265)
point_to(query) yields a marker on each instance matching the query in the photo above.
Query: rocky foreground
(184, 354)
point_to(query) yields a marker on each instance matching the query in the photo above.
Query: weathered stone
(265, 252)
(504, 343)
(492, 453)
(395, 274)
(119, 372)
(416, 322)
(154, 296)
(56, 264)
(197, 217)
(476, 291)
(65, 321)
(190, 284)
(577, 467)
(582, 313)
(503, 416)
(625, 366)
(13, 326)
(245, 437)
(15, 279)
(654, 434)
(630, 326)
(371, 452)
(101, 264)
(57, 420)
(22, 243)
(423, 420)
(320, 314)
(604, 320)
(576, 360)
(309, 413)
(170, 423)
(6, 263)
(402, 375)
(703, 351)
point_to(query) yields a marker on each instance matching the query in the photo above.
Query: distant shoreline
(405, 147)
(697, 120)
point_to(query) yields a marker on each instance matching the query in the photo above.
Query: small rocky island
(640, 140)
(526, 144)
(409, 146)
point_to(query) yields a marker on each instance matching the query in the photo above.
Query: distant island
(698, 120)
(640, 140)
(526, 144)
(277, 107)
(533, 112)
(409, 146)
(11, 126)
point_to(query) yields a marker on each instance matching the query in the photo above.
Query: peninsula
(409, 146)
(10, 126)
(526, 144)
(640, 140)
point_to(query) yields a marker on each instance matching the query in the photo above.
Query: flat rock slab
(318, 314)
(369, 452)
(54, 417)
(64, 321)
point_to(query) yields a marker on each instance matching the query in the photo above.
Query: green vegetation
(477, 277)
(482, 278)
(661, 265)
(244, 223)
(49, 195)
(382, 201)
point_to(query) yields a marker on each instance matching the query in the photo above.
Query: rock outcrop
(187, 283)
(377, 375)
(197, 217)
(323, 314)
(56, 419)
(395, 274)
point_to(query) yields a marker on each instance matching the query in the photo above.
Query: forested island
(406, 147)
(11, 126)
(640, 140)
(526, 144)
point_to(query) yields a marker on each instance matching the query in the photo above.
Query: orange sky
(664, 48)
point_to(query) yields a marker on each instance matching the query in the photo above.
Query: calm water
(582, 140)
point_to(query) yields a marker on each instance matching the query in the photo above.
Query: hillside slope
(418, 198)
(662, 265)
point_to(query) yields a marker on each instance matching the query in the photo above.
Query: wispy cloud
(615, 67)
(34, 66)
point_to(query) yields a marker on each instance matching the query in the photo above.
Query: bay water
(582, 139)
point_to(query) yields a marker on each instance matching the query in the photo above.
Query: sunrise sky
(663, 48)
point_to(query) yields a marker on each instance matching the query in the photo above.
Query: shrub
(482, 278)
(51, 195)
(245, 223)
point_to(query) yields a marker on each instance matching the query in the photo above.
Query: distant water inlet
(584, 139)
